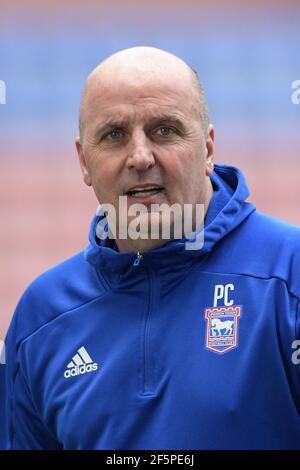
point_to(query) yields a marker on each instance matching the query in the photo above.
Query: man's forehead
(150, 98)
(131, 88)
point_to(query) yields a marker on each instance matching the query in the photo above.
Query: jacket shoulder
(60, 289)
(266, 247)
(276, 245)
(274, 227)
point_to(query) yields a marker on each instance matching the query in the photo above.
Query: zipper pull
(138, 259)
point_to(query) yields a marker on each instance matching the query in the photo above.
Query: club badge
(222, 328)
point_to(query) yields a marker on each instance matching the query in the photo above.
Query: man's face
(145, 141)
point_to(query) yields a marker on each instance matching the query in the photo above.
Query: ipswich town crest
(222, 328)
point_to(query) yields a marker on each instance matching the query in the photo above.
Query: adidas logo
(81, 363)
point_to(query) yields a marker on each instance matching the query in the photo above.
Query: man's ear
(210, 149)
(82, 161)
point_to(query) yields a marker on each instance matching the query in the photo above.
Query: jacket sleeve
(297, 352)
(21, 426)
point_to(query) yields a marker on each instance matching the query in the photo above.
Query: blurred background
(246, 55)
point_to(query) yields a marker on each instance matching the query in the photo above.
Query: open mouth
(145, 192)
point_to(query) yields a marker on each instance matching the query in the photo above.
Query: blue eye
(165, 131)
(114, 135)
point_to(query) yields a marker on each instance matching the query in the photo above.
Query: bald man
(155, 337)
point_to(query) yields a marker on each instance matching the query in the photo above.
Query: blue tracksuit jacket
(183, 349)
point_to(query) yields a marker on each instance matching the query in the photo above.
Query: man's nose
(140, 155)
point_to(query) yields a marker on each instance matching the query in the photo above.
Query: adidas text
(79, 370)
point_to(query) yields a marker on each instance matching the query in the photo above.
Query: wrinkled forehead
(139, 96)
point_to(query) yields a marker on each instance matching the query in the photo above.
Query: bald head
(141, 65)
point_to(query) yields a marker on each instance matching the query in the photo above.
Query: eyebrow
(166, 117)
(121, 123)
